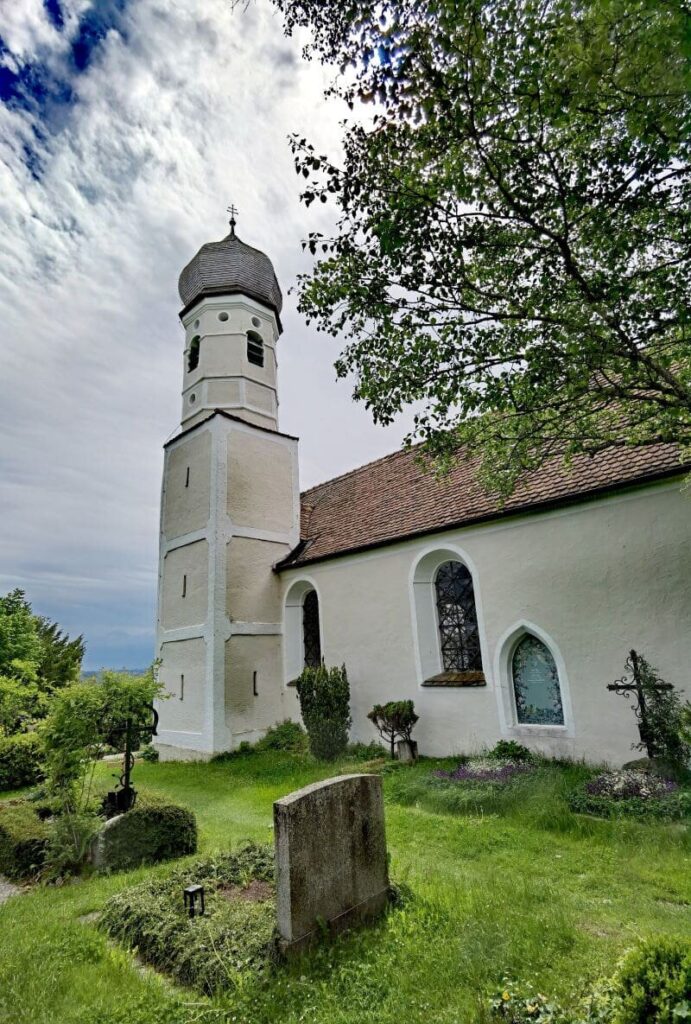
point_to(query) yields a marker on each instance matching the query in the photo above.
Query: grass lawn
(517, 885)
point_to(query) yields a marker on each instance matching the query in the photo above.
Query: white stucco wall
(592, 581)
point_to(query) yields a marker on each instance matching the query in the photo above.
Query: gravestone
(330, 858)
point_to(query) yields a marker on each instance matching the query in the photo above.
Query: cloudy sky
(126, 128)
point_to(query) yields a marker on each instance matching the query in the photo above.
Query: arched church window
(459, 636)
(255, 348)
(193, 354)
(310, 630)
(536, 684)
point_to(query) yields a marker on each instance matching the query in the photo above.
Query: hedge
(235, 940)
(23, 839)
(152, 831)
(21, 760)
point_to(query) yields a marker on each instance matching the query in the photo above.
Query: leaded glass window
(310, 630)
(536, 684)
(458, 632)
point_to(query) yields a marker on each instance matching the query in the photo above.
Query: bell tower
(231, 316)
(230, 509)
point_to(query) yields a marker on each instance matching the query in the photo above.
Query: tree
(512, 246)
(397, 718)
(61, 658)
(33, 649)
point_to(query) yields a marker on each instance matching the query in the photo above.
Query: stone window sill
(457, 679)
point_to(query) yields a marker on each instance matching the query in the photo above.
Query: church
(497, 621)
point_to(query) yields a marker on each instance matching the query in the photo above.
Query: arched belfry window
(311, 638)
(255, 348)
(535, 681)
(193, 354)
(459, 636)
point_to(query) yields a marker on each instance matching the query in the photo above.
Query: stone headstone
(330, 858)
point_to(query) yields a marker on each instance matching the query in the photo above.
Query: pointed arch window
(255, 348)
(310, 630)
(459, 636)
(193, 354)
(535, 680)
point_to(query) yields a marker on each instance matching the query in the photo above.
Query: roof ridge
(360, 469)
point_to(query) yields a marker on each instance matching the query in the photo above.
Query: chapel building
(498, 621)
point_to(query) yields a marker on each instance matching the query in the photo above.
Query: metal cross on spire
(232, 210)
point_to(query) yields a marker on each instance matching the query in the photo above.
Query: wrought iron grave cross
(634, 687)
(123, 797)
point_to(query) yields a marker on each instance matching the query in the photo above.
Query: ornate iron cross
(634, 687)
(123, 797)
(232, 210)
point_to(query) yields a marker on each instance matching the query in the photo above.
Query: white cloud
(186, 110)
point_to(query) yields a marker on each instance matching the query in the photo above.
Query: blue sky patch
(54, 12)
(44, 87)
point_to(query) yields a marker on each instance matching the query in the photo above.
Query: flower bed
(486, 769)
(633, 792)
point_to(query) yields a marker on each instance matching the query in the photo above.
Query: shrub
(69, 843)
(325, 705)
(651, 985)
(149, 753)
(153, 830)
(233, 942)
(284, 735)
(23, 839)
(509, 750)
(21, 760)
(396, 718)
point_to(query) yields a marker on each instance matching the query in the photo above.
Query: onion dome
(228, 267)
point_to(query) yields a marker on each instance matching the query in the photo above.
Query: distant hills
(130, 671)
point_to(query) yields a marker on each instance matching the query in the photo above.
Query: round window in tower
(193, 398)
(223, 316)
(196, 323)
(256, 322)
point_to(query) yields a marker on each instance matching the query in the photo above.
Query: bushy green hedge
(651, 985)
(233, 941)
(21, 760)
(325, 706)
(154, 830)
(23, 839)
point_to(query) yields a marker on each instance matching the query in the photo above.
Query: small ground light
(192, 894)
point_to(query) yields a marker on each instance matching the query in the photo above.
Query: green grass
(513, 884)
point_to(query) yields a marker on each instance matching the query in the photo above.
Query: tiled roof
(395, 497)
(230, 266)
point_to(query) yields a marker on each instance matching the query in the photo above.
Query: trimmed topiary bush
(21, 760)
(325, 705)
(154, 830)
(24, 839)
(397, 718)
(232, 943)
